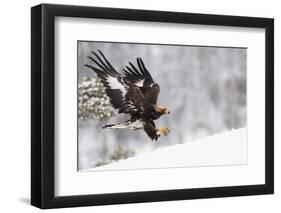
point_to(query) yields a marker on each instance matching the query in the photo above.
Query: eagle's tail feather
(126, 125)
(108, 126)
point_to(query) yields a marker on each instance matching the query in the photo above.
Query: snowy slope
(229, 148)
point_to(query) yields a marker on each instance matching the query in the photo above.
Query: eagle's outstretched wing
(142, 78)
(124, 93)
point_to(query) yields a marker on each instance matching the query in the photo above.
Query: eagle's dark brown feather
(143, 79)
(149, 128)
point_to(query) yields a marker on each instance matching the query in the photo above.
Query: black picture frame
(43, 102)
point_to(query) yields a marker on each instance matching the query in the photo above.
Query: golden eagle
(133, 92)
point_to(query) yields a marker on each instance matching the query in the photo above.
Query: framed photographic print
(140, 106)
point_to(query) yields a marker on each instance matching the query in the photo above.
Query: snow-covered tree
(93, 102)
(119, 153)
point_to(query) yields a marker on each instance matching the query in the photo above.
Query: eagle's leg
(162, 131)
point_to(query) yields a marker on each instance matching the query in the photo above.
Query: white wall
(15, 105)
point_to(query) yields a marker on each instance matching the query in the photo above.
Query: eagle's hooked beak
(167, 111)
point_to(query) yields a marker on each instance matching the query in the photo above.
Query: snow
(228, 148)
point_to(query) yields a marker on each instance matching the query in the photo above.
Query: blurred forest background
(203, 87)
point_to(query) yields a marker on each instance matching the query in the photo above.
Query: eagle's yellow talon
(163, 131)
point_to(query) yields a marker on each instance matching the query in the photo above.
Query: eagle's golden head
(163, 110)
